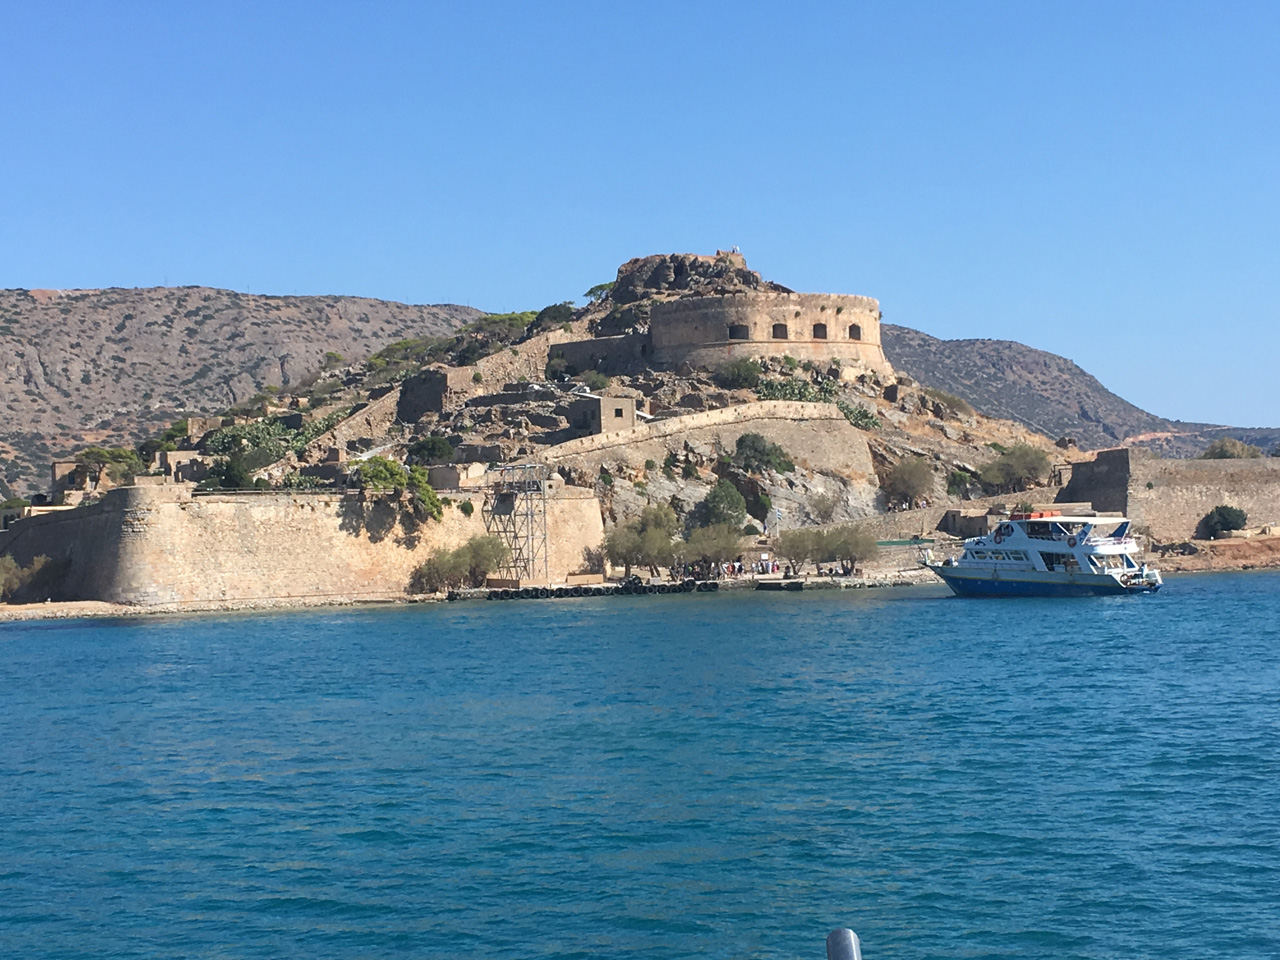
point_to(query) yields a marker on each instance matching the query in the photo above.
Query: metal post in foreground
(842, 944)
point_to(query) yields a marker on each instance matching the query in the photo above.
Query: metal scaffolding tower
(515, 511)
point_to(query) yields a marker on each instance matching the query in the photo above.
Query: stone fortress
(704, 311)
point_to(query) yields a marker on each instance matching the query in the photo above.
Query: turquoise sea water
(720, 776)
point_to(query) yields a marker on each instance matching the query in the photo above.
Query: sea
(723, 775)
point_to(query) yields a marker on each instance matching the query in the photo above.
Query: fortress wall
(152, 545)
(86, 539)
(697, 330)
(815, 435)
(528, 360)
(1171, 497)
(787, 410)
(1183, 491)
(606, 354)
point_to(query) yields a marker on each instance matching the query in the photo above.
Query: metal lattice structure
(515, 511)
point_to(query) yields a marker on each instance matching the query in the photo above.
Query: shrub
(31, 581)
(751, 530)
(1223, 518)
(651, 464)
(794, 389)
(949, 402)
(595, 380)
(1229, 448)
(1015, 469)
(755, 454)
(477, 377)
(468, 565)
(959, 481)
(724, 505)
(689, 471)
(467, 508)
(13, 503)
(858, 415)
(741, 374)
(606, 477)
(431, 450)
(556, 368)
(909, 480)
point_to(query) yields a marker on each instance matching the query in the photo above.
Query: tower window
(739, 331)
(855, 332)
(819, 331)
(779, 331)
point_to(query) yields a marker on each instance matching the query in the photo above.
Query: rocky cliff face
(112, 366)
(1047, 393)
(665, 276)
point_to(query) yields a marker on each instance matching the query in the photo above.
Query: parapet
(706, 331)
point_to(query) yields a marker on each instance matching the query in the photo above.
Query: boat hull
(1032, 583)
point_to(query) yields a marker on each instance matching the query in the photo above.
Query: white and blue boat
(1048, 555)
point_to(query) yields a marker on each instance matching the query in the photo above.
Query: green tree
(379, 473)
(468, 565)
(714, 544)
(797, 546)
(847, 543)
(724, 505)
(623, 547)
(755, 454)
(594, 380)
(1015, 469)
(1221, 519)
(741, 374)
(425, 500)
(599, 291)
(909, 480)
(431, 450)
(1229, 448)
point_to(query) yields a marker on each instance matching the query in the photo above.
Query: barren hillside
(111, 366)
(1048, 393)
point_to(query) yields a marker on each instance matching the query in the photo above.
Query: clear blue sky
(1097, 179)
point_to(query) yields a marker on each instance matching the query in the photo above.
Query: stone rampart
(160, 544)
(787, 410)
(1170, 497)
(707, 331)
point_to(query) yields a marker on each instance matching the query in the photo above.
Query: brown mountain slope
(1047, 393)
(111, 366)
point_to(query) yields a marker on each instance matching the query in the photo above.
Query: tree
(724, 505)
(824, 506)
(714, 544)
(379, 473)
(599, 291)
(468, 565)
(1229, 448)
(1015, 469)
(623, 547)
(847, 543)
(797, 546)
(743, 374)
(755, 454)
(909, 480)
(425, 501)
(431, 450)
(1221, 519)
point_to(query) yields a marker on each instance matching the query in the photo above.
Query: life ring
(999, 538)
(1071, 541)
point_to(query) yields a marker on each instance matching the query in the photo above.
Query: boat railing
(1111, 541)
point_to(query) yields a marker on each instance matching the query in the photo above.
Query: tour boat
(1045, 554)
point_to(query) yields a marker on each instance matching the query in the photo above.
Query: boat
(1046, 554)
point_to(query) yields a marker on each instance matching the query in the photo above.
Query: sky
(1101, 180)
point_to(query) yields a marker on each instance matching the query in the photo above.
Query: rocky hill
(1048, 393)
(111, 366)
